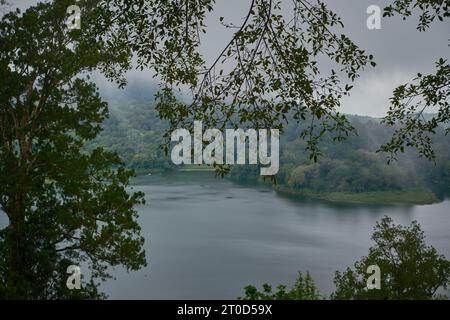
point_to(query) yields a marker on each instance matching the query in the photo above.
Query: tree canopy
(410, 269)
(304, 288)
(65, 206)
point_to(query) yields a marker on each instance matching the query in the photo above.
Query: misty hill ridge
(134, 131)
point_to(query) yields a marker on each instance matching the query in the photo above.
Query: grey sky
(399, 49)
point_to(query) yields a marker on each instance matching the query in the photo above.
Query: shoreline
(395, 197)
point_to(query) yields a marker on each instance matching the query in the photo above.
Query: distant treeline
(355, 166)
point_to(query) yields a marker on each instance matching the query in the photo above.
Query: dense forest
(354, 166)
(344, 169)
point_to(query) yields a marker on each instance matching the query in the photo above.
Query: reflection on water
(207, 237)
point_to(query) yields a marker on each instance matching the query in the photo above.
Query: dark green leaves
(303, 289)
(65, 206)
(429, 10)
(269, 72)
(413, 127)
(409, 268)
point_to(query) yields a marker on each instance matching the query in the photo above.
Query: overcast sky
(399, 49)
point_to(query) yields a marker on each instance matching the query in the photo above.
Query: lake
(207, 237)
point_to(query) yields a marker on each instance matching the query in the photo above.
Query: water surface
(206, 238)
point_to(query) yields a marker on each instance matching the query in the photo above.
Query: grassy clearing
(415, 197)
(195, 167)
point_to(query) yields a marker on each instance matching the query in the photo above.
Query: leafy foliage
(410, 101)
(269, 69)
(429, 10)
(406, 112)
(410, 269)
(304, 288)
(163, 35)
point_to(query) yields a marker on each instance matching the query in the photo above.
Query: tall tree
(65, 206)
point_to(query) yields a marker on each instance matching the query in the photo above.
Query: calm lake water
(207, 238)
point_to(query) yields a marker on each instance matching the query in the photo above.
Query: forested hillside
(134, 131)
(355, 166)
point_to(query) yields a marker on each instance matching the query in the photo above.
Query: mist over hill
(136, 91)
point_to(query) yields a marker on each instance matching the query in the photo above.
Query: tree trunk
(17, 273)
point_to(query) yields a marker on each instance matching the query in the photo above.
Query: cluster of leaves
(164, 35)
(304, 288)
(270, 69)
(429, 10)
(410, 101)
(410, 268)
(407, 108)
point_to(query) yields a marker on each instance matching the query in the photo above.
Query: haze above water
(207, 238)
